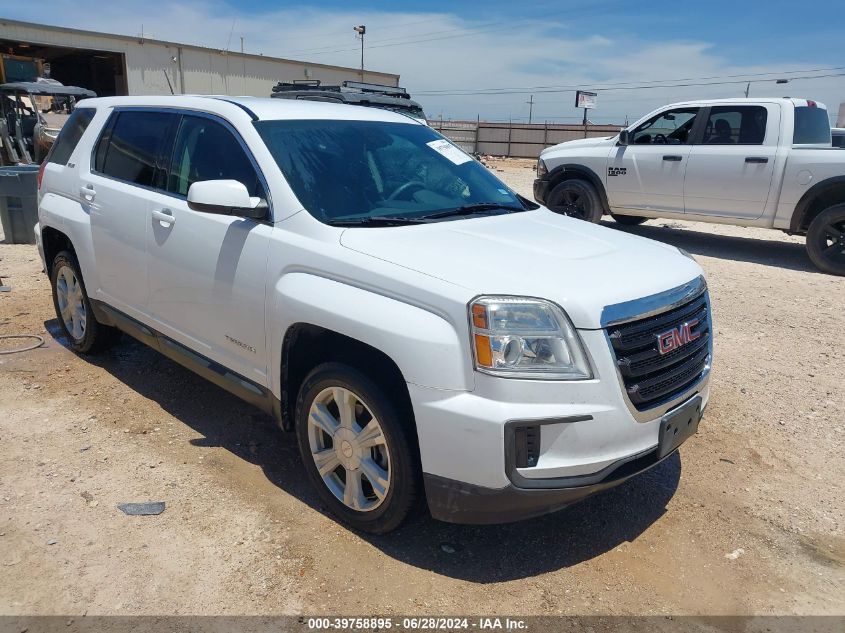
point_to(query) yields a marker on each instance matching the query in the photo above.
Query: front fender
(427, 349)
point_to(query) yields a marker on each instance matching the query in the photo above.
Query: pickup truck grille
(650, 377)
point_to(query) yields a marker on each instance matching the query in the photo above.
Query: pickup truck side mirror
(225, 197)
(624, 137)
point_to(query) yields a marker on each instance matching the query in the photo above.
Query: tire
(576, 199)
(73, 308)
(826, 240)
(387, 461)
(628, 220)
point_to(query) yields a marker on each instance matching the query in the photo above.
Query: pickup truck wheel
(73, 308)
(577, 199)
(628, 220)
(826, 240)
(355, 446)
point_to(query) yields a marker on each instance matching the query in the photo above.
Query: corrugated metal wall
(519, 140)
(190, 69)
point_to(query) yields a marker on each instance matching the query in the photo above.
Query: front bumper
(541, 189)
(456, 501)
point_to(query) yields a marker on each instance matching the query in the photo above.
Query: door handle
(165, 216)
(673, 157)
(756, 159)
(87, 192)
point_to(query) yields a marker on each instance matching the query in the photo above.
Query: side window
(72, 131)
(206, 150)
(736, 125)
(812, 126)
(133, 147)
(672, 127)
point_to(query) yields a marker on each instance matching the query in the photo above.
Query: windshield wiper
(378, 220)
(471, 209)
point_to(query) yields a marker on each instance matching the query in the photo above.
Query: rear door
(128, 164)
(207, 271)
(730, 171)
(648, 174)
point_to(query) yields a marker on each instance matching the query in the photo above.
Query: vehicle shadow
(745, 249)
(480, 554)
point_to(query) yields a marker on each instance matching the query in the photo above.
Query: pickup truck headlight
(522, 337)
(542, 170)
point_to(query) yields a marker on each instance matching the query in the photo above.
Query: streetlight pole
(361, 30)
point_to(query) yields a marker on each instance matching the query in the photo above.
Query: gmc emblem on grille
(677, 337)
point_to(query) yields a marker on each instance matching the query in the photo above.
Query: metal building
(120, 64)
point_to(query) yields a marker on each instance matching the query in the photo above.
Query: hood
(580, 266)
(581, 142)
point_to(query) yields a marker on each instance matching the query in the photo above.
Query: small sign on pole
(584, 99)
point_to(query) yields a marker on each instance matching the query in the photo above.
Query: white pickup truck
(424, 329)
(752, 162)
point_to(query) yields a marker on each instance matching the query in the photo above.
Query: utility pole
(747, 89)
(361, 30)
(530, 103)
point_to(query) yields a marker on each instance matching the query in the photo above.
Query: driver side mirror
(624, 137)
(225, 197)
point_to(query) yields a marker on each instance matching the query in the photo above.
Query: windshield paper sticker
(446, 149)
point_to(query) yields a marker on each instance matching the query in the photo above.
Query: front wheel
(577, 199)
(356, 446)
(628, 220)
(826, 240)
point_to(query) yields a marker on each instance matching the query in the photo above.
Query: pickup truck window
(68, 138)
(667, 128)
(736, 125)
(345, 170)
(133, 147)
(205, 150)
(812, 126)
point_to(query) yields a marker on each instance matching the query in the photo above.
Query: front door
(207, 271)
(648, 174)
(730, 172)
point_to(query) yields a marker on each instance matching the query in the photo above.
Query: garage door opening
(104, 72)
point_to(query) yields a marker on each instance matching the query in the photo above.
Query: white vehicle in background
(751, 162)
(426, 331)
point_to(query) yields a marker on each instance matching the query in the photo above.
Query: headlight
(542, 170)
(520, 337)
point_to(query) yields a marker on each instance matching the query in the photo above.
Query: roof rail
(393, 91)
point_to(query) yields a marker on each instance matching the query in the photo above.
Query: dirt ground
(748, 519)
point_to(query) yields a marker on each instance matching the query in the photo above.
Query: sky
(485, 58)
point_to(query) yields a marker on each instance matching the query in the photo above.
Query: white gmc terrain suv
(428, 333)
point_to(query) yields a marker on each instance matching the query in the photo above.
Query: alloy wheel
(349, 449)
(71, 304)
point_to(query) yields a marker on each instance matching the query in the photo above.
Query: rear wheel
(826, 240)
(577, 199)
(628, 220)
(356, 448)
(73, 308)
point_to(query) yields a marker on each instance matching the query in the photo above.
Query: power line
(606, 88)
(404, 42)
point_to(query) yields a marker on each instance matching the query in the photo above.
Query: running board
(214, 372)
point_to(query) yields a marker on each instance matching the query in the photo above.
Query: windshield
(366, 170)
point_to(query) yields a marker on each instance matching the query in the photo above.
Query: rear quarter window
(812, 126)
(68, 138)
